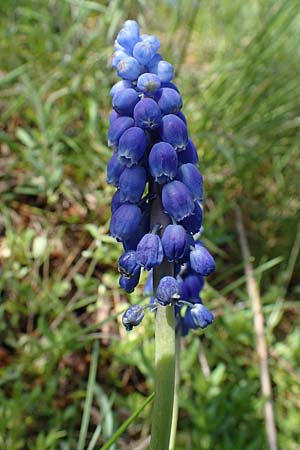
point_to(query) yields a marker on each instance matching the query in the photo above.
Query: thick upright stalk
(164, 348)
(176, 390)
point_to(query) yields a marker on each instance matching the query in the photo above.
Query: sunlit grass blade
(126, 424)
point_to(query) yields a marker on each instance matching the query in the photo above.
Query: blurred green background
(237, 66)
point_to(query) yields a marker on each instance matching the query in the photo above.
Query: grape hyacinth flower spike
(157, 207)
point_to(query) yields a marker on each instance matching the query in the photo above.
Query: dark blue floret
(197, 317)
(174, 241)
(193, 223)
(171, 85)
(113, 116)
(190, 242)
(163, 162)
(114, 170)
(129, 284)
(132, 184)
(167, 291)
(190, 153)
(117, 128)
(190, 287)
(125, 221)
(192, 178)
(115, 201)
(132, 317)
(127, 264)
(201, 260)
(182, 117)
(132, 146)
(169, 101)
(142, 229)
(174, 131)
(147, 114)
(149, 252)
(177, 200)
(124, 101)
(148, 288)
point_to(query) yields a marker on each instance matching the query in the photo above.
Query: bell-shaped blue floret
(201, 316)
(115, 201)
(153, 63)
(165, 71)
(127, 264)
(143, 228)
(169, 101)
(117, 46)
(132, 317)
(182, 117)
(132, 146)
(128, 68)
(170, 85)
(190, 242)
(113, 116)
(117, 128)
(201, 260)
(132, 26)
(120, 86)
(197, 317)
(117, 57)
(192, 178)
(163, 162)
(129, 284)
(167, 291)
(174, 242)
(124, 101)
(190, 287)
(189, 155)
(114, 170)
(174, 131)
(177, 200)
(193, 223)
(132, 184)
(148, 288)
(129, 36)
(149, 252)
(147, 114)
(145, 50)
(125, 221)
(148, 83)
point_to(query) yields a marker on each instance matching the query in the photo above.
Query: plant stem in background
(261, 344)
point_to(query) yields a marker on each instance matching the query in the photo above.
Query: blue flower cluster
(154, 156)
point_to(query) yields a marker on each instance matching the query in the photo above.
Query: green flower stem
(164, 347)
(164, 378)
(176, 389)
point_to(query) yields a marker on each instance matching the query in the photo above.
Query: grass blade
(89, 397)
(126, 424)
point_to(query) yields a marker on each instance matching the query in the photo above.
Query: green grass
(238, 72)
